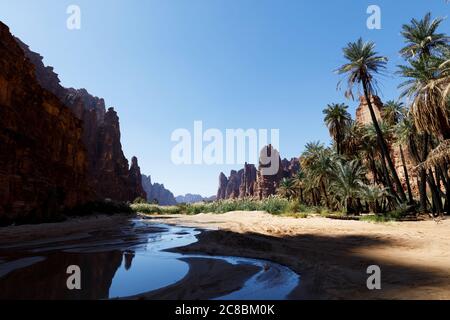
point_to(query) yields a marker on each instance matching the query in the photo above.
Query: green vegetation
(357, 174)
(273, 205)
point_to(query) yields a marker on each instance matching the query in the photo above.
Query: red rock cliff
(109, 174)
(43, 161)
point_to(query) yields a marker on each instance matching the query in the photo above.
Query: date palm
(424, 88)
(363, 63)
(347, 182)
(287, 188)
(337, 119)
(392, 112)
(422, 39)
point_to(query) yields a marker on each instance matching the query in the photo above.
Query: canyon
(59, 147)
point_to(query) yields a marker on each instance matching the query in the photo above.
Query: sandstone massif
(43, 160)
(157, 193)
(59, 146)
(194, 198)
(251, 182)
(109, 173)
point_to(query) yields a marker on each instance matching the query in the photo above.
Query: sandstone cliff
(43, 161)
(109, 174)
(253, 183)
(157, 192)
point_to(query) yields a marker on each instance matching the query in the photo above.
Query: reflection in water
(119, 263)
(128, 257)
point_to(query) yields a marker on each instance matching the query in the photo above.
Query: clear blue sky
(232, 64)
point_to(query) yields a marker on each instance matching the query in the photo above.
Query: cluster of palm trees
(357, 173)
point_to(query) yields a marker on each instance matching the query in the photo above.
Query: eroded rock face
(223, 182)
(109, 175)
(247, 187)
(43, 161)
(157, 192)
(363, 117)
(252, 183)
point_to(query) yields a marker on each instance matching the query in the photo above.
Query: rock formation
(363, 117)
(223, 182)
(247, 187)
(252, 183)
(157, 192)
(193, 198)
(109, 175)
(43, 161)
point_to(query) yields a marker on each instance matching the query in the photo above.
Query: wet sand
(332, 256)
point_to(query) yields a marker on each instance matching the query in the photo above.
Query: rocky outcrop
(43, 160)
(267, 184)
(223, 182)
(157, 193)
(252, 183)
(193, 198)
(135, 178)
(363, 117)
(247, 187)
(109, 175)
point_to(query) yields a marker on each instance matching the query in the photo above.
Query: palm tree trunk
(388, 182)
(410, 195)
(437, 204)
(422, 183)
(383, 145)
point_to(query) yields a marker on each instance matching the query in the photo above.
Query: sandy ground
(332, 256)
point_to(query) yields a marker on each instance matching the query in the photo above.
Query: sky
(163, 64)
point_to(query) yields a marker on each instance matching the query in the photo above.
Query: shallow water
(122, 263)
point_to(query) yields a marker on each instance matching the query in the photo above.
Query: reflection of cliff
(46, 280)
(43, 160)
(252, 183)
(109, 174)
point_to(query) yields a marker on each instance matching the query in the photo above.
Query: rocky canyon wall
(109, 174)
(43, 160)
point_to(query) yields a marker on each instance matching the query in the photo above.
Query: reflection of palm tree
(363, 63)
(128, 256)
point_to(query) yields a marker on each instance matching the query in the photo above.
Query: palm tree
(287, 189)
(392, 112)
(299, 183)
(353, 142)
(347, 181)
(424, 88)
(422, 39)
(337, 119)
(373, 195)
(362, 66)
